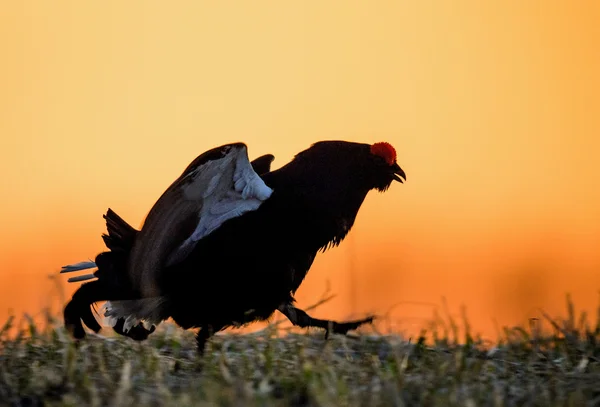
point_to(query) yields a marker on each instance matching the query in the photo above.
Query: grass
(548, 363)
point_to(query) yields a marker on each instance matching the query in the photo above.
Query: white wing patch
(247, 182)
(223, 197)
(148, 311)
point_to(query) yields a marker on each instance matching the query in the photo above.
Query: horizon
(493, 110)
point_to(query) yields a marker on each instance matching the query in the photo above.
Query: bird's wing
(262, 164)
(218, 185)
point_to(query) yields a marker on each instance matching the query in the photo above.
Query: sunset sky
(493, 108)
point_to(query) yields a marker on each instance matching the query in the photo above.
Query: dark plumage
(224, 247)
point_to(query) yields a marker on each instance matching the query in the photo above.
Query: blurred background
(493, 107)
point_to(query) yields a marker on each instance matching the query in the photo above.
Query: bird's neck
(322, 213)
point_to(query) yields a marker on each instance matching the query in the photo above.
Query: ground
(43, 366)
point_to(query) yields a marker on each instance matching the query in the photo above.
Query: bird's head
(367, 166)
(381, 167)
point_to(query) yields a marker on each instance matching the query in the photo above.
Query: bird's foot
(342, 328)
(300, 318)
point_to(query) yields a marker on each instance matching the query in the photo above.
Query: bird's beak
(398, 173)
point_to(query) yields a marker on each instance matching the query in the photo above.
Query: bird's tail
(111, 264)
(83, 265)
(108, 272)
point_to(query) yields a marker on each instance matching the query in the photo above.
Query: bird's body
(241, 256)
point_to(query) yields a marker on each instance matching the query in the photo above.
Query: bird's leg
(203, 336)
(300, 318)
(201, 339)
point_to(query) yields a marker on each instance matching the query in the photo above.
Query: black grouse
(230, 241)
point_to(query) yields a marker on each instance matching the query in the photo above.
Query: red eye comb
(385, 151)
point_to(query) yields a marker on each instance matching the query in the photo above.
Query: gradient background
(493, 108)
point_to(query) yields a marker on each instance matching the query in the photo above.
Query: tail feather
(84, 277)
(120, 235)
(82, 265)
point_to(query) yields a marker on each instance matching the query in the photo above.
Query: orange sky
(494, 109)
